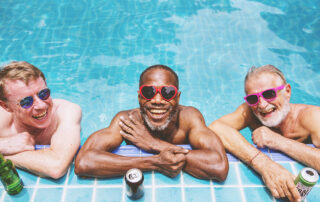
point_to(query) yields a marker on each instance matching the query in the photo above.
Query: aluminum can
(134, 183)
(306, 179)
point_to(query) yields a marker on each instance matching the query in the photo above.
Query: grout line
(35, 190)
(124, 189)
(147, 186)
(153, 187)
(212, 191)
(94, 190)
(240, 183)
(182, 187)
(65, 185)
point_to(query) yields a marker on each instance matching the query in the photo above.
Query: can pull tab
(310, 173)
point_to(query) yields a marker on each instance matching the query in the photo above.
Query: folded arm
(299, 151)
(208, 158)
(279, 181)
(96, 160)
(54, 161)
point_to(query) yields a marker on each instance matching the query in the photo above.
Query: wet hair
(18, 70)
(176, 82)
(253, 71)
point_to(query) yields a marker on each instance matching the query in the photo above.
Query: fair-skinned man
(276, 124)
(29, 117)
(157, 126)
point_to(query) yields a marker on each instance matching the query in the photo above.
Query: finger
(180, 158)
(126, 135)
(272, 189)
(125, 121)
(133, 120)
(280, 189)
(125, 127)
(293, 192)
(274, 193)
(179, 150)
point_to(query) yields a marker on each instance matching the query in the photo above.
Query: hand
(137, 133)
(264, 137)
(171, 162)
(17, 143)
(280, 182)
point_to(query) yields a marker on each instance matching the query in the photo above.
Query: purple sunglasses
(268, 95)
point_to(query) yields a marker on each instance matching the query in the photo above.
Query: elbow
(223, 172)
(219, 170)
(57, 171)
(80, 167)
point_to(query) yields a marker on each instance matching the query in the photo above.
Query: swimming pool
(92, 53)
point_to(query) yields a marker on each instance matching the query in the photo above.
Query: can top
(310, 175)
(134, 175)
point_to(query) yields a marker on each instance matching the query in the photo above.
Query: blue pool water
(92, 53)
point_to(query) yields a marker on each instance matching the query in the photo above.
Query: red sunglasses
(166, 92)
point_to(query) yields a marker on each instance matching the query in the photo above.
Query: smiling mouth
(158, 114)
(40, 116)
(267, 111)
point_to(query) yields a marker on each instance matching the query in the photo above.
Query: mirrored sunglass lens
(148, 92)
(168, 92)
(26, 102)
(44, 94)
(252, 99)
(269, 94)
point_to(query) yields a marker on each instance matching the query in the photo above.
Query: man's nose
(157, 99)
(38, 103)
(262, 103)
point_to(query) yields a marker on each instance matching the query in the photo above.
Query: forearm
(45, 162)
(94, 163)
(299, 151)
(234, 142)
(159, 145)
(207, 164)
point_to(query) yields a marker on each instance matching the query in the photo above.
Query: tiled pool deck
(242, 184)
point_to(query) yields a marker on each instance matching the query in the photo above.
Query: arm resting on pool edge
(279, 181)
(96, 160)
(54, 162)
(208, 159)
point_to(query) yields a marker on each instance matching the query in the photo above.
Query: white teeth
(158, 111)
(268, 109)
(40, 115)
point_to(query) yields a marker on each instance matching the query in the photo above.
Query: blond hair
(18, 70)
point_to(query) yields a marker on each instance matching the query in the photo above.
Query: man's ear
(178, 96)
(288, 91)
(5, 106)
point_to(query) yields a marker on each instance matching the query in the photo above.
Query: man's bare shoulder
(189, 115)
(307, 114)
(66, 108)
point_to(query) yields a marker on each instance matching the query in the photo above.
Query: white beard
(277, 117)
(154, 128)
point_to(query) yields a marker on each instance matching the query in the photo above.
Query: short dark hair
(164, 67)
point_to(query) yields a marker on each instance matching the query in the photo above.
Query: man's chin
(156, 127)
